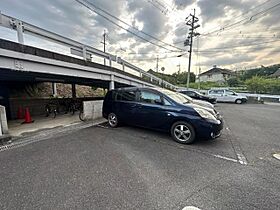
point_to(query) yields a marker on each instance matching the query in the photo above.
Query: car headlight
(205, 114)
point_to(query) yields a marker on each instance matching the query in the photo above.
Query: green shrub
(263, 85)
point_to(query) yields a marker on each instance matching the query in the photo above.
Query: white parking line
(226, 158)
(277, 156)
(190, 208)
(236, 147)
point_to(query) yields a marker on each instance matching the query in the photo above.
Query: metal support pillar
(74, 95)
(112, 83)
(123, 66)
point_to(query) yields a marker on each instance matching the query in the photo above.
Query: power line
(153, 58)
(158, 6)
(248, 11)
(137, 53)
(241, 22)
(131, 26)
(248, 45)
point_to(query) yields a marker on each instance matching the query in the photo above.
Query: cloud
(226, 60)
(70, 19)
(182, 4)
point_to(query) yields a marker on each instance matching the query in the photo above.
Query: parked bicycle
(52, 108)
(69, 105)
(81, 114)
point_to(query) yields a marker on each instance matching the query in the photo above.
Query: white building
(216, 75)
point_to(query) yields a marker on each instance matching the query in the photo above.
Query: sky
(235, 34)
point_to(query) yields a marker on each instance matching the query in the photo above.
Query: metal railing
(76, 48)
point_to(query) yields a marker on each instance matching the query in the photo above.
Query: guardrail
(76, 48)
(259, 96)
(255, 95)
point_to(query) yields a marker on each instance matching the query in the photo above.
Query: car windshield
(198, 93)
(178, 97)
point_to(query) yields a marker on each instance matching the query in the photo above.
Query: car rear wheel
(238, 101)
(183, 132)
(113, 120)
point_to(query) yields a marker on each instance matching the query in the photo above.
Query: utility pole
(104, 44)
(179, 70)
(191, 20)
(157, 64)
(199, 72)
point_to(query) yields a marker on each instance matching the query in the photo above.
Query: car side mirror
(158, 101)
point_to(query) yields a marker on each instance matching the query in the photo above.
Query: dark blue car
(162, 110)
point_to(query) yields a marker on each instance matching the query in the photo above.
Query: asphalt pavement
(133, 168)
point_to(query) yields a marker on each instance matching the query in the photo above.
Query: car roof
(138, 88)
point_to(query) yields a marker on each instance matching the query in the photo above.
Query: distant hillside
(262, 71)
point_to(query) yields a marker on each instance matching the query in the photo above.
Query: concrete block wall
(3, 121)
(92, 109)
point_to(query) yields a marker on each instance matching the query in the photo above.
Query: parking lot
(133, 168)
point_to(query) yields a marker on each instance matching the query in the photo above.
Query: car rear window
(216, 91)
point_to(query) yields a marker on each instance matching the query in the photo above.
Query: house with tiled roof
(216, 75)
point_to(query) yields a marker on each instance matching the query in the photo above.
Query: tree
(233, 82)
(262, 85)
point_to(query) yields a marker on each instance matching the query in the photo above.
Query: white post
(1, 133)
(3, 121)
(84, 52)
(19, 32)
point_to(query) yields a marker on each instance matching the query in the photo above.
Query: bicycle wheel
(81, 115)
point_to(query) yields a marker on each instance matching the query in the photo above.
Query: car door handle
(136, 105)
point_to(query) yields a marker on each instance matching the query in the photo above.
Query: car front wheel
(183, 132)
(238, 101)
(113, 120)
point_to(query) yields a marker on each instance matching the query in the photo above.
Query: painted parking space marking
(277, 156)
(190, 208)
(236, 147)
(226, 158)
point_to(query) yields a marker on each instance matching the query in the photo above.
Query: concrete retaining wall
(92, 109)
(3, 121)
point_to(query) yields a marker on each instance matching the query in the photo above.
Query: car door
(219, 94)
(153, 111)
(126, 106)
(229, 96)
